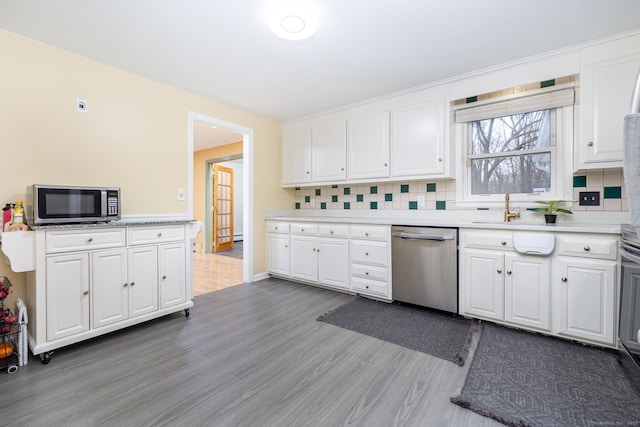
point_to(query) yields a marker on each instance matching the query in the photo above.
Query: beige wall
(200, 159)
(133, 136)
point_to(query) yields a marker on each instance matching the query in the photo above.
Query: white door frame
(247, 177)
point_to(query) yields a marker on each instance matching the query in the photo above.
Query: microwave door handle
(103, 203)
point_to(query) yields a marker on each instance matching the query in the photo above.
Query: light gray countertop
(463, 219)
(125, 222)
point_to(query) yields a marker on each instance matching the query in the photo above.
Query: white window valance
(499, 107)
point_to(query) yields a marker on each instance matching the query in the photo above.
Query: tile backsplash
(441, 194)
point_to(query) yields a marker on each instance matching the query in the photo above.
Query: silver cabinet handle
(564, 279)
(504, 243)
(366, 273)
(331, 232)
(590, 144)
(587, 248)
(499, 271)
(366, 253)
(85, 293)
(508, 271)
(90, 239)
(125, 285)
(314, 249)
(133, 283)
(366, 234)
(159, 234)
(164, 277)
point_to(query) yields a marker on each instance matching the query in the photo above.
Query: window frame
(562, 129)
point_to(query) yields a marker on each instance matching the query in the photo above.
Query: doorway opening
(208, 137)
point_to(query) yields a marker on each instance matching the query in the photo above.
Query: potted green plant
(551, 209)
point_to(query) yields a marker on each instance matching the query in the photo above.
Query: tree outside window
(511, 154)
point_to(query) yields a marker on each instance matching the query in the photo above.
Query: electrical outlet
(589, 198)
(180, 193)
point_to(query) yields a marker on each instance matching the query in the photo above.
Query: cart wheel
(12, 368)
(186, 312)
(45, 358)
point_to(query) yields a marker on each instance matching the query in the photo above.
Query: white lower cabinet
(142, 280)
(572, 293)
(67, 296)
(509, 287)
(90, 281)
(585, 293)
(278, 252)
(110, 295)
(320, 254)
(371, 260)
(339, 256)
(172, 269)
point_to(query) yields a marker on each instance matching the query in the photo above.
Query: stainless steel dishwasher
(425, 266)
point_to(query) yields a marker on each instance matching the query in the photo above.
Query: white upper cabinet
(607, 81)
(368, 146)
(296, 156)
(418, 140)
(329, 152)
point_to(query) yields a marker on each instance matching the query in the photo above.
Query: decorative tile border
(441, 194)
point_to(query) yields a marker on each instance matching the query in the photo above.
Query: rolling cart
(9, 332)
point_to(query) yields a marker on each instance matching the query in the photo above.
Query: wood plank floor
(212, 272)
(249, 355)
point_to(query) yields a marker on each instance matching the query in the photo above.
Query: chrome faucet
(508, 215)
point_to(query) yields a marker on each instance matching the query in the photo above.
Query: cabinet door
(304, 258)
(278, 254)
(109, 287)
(329, 152)
(526, 291)
(586, 306)
(296, 156)
(172, 269)
(484, 284)
(418, 140)
(67, 295)
(143, 280)
(333, 262)
(368, 146)
(608, 78)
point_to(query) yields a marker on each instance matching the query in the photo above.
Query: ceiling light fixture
(293, 21)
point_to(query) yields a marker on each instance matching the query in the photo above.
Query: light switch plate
(180, 193)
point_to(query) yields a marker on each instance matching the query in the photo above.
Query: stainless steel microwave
(55, 204)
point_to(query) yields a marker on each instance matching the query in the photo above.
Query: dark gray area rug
(438, 334)
(525, 379)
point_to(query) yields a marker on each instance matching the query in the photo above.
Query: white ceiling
(223, 50)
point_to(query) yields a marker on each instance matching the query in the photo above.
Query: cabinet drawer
(278, 227)
(588, 247)
(487, 240)
(307, 229)
(369, 272)
(154, 234)
(370, 232)
(371, 287)
(70, 240)
(375, 253)
(333, 230)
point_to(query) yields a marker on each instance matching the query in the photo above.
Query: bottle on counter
(18, 224)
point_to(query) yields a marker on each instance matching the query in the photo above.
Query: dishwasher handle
(419, 236)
